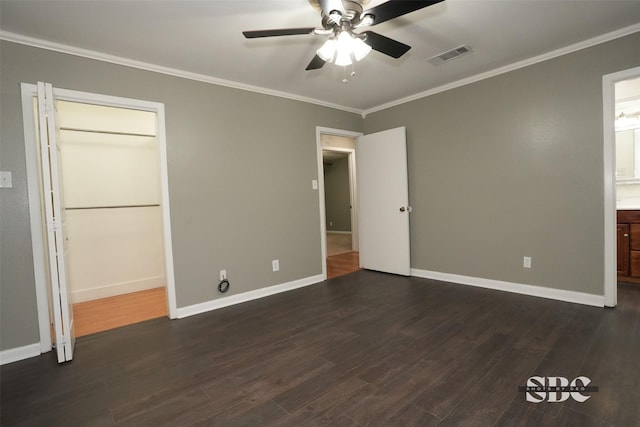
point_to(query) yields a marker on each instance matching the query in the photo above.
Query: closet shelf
(111, 207)
(108, 132)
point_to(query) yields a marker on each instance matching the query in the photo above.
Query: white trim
(511, 67)
(608, 147)
(19, 353)
(90, 54)
(320, 130)
(338, 232)
(353, 199)
(117, 289)
(517, 288)
(161, 137)
(28, 91)
(204, 307)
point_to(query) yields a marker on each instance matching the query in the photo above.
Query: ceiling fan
(340, 20)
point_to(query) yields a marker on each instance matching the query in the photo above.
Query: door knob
(626, 235)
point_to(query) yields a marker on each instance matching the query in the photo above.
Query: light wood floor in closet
(103, 314)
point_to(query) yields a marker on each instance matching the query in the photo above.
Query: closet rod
(108, 132)
(111, 207)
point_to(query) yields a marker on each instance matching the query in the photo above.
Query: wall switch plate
(5, 179)
(526, 262)
(223, 274)
(275, 265)
(314, 184)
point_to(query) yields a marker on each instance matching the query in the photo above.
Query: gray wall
(513, 166)
(237, 201)
(336, 195)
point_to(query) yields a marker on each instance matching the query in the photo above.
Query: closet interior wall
(112, 196)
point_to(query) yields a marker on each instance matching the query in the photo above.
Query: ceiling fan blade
(394, 8)
(315, 63)
(330, 5)
(386, 45)
(278, 32)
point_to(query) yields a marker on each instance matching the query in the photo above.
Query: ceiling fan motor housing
(350, 11)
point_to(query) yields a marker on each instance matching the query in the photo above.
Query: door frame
(28, 91)
(352, 188)
(609, 162)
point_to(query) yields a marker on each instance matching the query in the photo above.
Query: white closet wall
(111, 180)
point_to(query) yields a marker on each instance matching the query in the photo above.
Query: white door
(383, 202)
(55, 223)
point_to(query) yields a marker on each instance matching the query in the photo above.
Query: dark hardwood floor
(362, 349)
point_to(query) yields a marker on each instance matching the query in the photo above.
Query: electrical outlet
(526, 262)
(223, 274)
(314, 184)
(275, 265)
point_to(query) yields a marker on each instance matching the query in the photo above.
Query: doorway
(627, 172)
(609, 84)
(338, 201)
(113, 163)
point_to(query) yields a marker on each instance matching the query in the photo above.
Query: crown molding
(511, 67)
(90, 54)
(99, 56)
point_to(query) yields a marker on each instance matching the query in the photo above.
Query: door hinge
(54, 225)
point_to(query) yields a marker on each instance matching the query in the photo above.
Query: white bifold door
(383, 202)
(56, 235)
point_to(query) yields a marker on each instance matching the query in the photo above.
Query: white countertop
(627, 205)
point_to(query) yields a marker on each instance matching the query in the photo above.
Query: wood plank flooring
(113, 312)
(365, 349)
(339, 265)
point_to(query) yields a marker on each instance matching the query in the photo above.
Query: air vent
(450, 54)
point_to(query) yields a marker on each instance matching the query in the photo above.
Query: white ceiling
(205, 38)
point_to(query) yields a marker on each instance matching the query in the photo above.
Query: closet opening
(111, 187)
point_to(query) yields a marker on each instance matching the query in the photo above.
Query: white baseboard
(518, 288)
(19, 353)
(118, 289)
(247, 296)
(338, 232)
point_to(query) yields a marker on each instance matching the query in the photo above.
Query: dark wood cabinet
(623, 249)
(628, 234)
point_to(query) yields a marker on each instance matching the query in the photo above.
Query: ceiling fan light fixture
(360, 48)
(343, 58)
(344, 48)
(328, 50)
